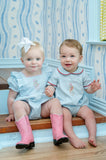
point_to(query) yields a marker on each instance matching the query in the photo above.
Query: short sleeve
(47, 70)
(86, 80)
(12, 82)
(53, 79)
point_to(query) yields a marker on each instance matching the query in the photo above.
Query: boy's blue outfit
(70, 88)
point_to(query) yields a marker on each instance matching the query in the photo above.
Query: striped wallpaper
(50, 22)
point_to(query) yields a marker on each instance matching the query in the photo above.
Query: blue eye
(29, 59)
(63, 56)
(37, 59)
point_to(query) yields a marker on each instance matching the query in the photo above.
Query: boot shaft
(57, 125)
(24, 128)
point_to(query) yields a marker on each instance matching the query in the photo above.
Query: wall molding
(10, 63)
(94, 20)
(94, 23)
(96, 104)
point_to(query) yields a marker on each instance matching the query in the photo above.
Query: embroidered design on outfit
(71, 87)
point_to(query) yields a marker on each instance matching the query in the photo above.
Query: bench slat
(4, 86)
(7, 127)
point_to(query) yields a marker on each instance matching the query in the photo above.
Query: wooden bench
(6, 127)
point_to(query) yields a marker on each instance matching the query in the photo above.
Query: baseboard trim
(98, 105)
(45, 135)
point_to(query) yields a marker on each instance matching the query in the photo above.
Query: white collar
(62, 71)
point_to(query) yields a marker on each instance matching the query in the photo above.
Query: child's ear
(81, 57)
(21, 59)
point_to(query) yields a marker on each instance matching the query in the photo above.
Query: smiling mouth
(67, 65)
(35, 66)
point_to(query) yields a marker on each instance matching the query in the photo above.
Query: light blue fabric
(70, 87)
(31, 89)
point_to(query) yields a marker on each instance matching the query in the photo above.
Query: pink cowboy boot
(57, 129)
(27, 139)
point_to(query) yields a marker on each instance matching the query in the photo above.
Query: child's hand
(95, 85)
(10, 118)
(49, 91)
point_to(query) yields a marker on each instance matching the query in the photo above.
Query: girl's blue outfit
(70, 88)
(31, 90)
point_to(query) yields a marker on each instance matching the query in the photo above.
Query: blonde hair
(72, 43)
(37, 45)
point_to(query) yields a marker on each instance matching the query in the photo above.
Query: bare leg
(20, 109)
(53, 106)
(87, 114)
(75, 141)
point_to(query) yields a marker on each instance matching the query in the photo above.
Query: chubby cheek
(40, 65)
(62, 62)
(76, 62)
(27, 64)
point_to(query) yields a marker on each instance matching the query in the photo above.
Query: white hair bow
(26, 43)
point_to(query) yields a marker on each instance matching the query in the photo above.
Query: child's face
(33, 60)
(69, 57)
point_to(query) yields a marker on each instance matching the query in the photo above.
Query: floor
(46, 151)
